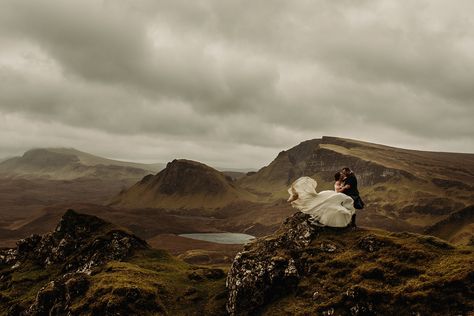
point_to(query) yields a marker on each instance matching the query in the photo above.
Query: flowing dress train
(327, 207)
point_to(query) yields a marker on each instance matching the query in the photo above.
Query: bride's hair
(337, 176)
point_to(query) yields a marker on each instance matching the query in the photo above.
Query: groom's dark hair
(347, 170)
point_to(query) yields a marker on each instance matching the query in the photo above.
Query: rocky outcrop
(311, 270)
(55, 297)
(88, 266)
(269, 267)
(79, 243)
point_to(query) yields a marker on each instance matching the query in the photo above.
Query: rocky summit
(88, 266)
(79, 243)
(305, 269)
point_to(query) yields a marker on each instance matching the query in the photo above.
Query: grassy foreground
(150, 283)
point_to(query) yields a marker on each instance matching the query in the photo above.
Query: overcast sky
(232, 83)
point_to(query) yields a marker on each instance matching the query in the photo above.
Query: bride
(326, 207)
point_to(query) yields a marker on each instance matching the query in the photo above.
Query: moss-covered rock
(308, 270)
(90, 267)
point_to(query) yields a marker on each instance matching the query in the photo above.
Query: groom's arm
(348, 185)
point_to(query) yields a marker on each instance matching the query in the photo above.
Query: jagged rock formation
(260, 275)
(91, 267)
(304, 269)
(79, 243)
(183, 184)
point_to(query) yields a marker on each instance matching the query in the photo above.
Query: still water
(221, 238)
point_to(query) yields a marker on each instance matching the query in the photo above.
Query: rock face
(269, 267)
(320, 157)
(79, 243)
(310, 270)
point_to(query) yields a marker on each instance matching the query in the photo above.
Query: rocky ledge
(304, 269)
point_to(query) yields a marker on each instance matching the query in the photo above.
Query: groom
(350, 188)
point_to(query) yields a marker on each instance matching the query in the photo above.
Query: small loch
(221, 238)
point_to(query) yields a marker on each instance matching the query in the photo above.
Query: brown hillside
(69, 164)
(404, 189)
(183, 184)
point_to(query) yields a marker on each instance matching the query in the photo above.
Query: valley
(404, 190)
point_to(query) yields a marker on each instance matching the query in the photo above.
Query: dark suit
(353, 192)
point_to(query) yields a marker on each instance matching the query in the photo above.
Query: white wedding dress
(327, 207)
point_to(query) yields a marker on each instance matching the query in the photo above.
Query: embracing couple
(329, 208)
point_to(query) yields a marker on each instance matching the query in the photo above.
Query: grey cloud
(257, 75)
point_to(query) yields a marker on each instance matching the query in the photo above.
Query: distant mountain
(183, 184)
(404, 189)
(68, 163)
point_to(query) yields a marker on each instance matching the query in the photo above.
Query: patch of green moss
(22, 284)
(402, 272)
(152, 283)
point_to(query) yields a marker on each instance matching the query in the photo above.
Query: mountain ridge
(403, 189)
(69, 164)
